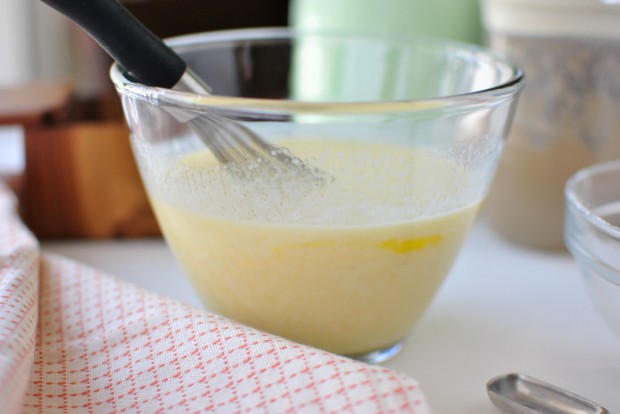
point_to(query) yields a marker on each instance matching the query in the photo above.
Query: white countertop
(502, 309)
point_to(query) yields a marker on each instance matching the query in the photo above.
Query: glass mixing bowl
(406, 134)
(592, 234)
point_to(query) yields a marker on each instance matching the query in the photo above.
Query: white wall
(52, 43)
(39, 44)
(17, 53)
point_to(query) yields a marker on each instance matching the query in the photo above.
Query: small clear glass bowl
(592, 234)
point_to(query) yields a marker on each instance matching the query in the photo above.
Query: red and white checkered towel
(74, 340)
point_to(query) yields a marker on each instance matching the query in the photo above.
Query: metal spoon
(520, 394)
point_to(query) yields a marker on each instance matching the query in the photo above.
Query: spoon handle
(519, 394)
(143, 55)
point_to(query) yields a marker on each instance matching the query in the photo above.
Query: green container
(324, 64)
(454, 19)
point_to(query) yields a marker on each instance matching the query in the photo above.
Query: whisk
(148, 60)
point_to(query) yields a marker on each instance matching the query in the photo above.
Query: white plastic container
(569, 113)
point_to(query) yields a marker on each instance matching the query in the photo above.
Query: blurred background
(38, 44)
(63, 141)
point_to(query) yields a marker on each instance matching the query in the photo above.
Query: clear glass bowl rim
(574, 202)
(162, 96)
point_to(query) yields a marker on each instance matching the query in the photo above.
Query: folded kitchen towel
(74, 340)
